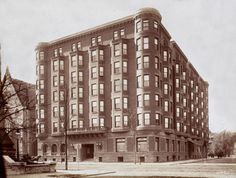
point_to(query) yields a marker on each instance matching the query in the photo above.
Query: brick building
(126, 91)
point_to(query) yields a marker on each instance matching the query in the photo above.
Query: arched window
(54, 149)
(63, 148)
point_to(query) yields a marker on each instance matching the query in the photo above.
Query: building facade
(124, 91)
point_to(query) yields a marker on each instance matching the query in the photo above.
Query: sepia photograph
(114, 88)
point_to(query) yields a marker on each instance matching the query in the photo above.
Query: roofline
(91, 30)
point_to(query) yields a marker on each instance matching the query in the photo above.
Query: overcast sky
(204, 29)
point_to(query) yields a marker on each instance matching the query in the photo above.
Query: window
(115, 35)
(117, 121)
(41, 69)
(177, 68)
(55, 96)
(61, 80)
(41, 113)
(156, 63)
(73, 124)
(166, 106)
(55, 52)
(184, 75)
(102, 122)
(138, 42)
(146, 62)
(157, 100)
(79, 45)
(55, 65)
(81, 124)
(81, 108)
(125, 47)
(156, 43)
(125, 103)
(155, 25)
(165, 70)
(138, 27)
(55, 126)
(177, 112)
(80, 76)
(139, 63)
(166, 90)
(184, 89)
(117, 67)
(101, 88)
(81, 92)
(145, 43)
(73, 109)
(94, 106)
(185, 129)
(41, 98)
(94, 89)
(146, 99)
(61, 65)
(41, 55)
(120, 145)
(158, 118)
(73, 93)
(73, 47)
(99, 38)
(166, 123)
(167, 145)
(142, 144)
(73, 77)
(177, 83)
(157, 144)
(73, 61)
(62, 111)
(146, 80)
(101, 55)
(117, 103)
(101, 106)
(122, 32)
(55, 83)
(117, 49)
(117, 85)
(191, 83)
(95, 122)
(55, 111)
(60, 51)
(139, 101)
(165, 55)
(125, 84)
(101, 71)
(185, 102)
(41, 84)
(139, 81)
(94, 55)
(157, 81)
(177, 97)
(139, 119)
(185, 115)
(81, 62)
(42, 130)
(94, 72)
(93, 41)
(146, 118)
(145, 25)
(191, 95)
(125, 121)
(125, 66)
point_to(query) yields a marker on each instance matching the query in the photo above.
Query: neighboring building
(126, 91)
(20, 123)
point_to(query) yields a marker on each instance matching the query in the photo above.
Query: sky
(204, 29)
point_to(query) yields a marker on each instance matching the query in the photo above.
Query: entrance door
(88, 151)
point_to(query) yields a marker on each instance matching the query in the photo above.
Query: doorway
(87, 151)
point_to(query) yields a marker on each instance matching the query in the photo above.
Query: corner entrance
(87, 151)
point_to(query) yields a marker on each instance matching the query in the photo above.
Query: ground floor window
(120, 144)
(142, 144)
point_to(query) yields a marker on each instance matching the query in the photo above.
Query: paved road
(175, 169)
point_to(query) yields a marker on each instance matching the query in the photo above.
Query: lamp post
(17, 144)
